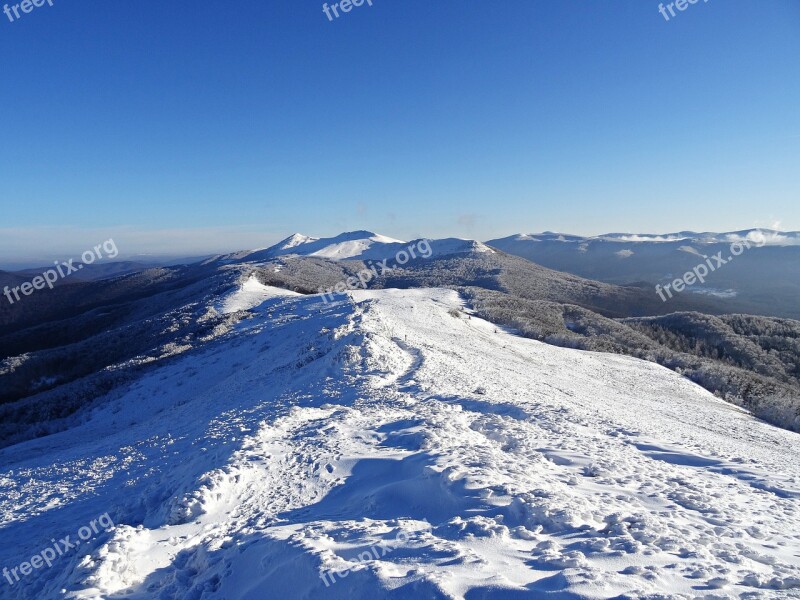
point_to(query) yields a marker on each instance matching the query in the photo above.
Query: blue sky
(187, 127)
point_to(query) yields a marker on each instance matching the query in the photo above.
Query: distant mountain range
(103, 269)
(764, 279)
(761, 280)
(766, 237)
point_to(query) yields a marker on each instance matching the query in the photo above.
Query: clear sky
(186, 127)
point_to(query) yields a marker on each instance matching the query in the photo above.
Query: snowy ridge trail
(419, 455)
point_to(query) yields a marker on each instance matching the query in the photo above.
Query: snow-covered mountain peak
(348, 245)
(357, 245)
(295, 240)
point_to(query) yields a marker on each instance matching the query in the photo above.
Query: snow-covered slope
(418, 452)
(250, 294)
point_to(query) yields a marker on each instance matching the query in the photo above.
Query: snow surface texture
(313, 436)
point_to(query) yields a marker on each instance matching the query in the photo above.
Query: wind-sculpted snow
(391, 446)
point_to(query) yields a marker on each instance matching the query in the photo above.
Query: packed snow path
(382, 447)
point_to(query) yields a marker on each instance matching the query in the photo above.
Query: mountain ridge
(474, 462)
